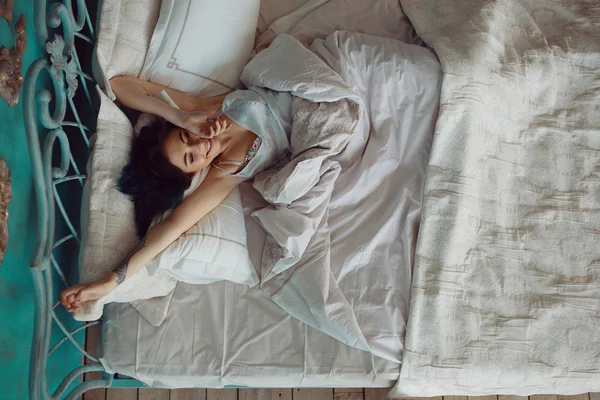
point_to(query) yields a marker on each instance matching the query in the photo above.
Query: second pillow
(201, 46)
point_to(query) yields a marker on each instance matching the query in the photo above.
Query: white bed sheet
(227, 334)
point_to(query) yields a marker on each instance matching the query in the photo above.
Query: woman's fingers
(63, 297)
(82, 296)
(223, 126)
(200, 124)
(91, 292)
(213, 127)
(71, 298)
(67, 296)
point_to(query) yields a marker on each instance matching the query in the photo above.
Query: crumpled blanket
(295, 265)
(295, 270)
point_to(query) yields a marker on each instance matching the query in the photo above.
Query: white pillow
(212, 250)
(215, 248)
(201, 46)
(124, 32)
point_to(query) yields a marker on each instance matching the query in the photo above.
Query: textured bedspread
(506, 291)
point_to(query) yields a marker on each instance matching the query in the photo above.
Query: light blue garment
(268, 114)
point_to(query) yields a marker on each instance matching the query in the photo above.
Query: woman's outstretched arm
(209, 195)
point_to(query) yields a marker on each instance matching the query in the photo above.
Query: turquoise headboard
(59, 109)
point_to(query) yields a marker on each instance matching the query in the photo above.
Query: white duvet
(297, 269)
(506, 292)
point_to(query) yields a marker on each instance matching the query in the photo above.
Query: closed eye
(185, 156)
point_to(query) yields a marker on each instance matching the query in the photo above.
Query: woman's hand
(71, 298)
(202, 124)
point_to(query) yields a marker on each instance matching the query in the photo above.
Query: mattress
(227, 334)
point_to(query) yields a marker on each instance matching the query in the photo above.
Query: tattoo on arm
(121, 269)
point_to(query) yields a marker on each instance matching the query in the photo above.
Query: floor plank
(289, 394)
(584, 396)
(221, 394)
(348, 394)
(377, 394)
(92, 338)
(312, 394)
(254, 394)
(187, 394)
(121, 394)
(281, 394)
(153, 394)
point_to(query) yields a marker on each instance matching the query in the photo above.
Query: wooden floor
(287, 394)
(93, 337)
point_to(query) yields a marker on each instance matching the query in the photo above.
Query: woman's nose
(194, 141)
(196, 146)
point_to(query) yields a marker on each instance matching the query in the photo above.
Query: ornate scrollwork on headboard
(11, 62)
(59, 114)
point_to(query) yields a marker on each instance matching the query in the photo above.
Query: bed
(504, 266)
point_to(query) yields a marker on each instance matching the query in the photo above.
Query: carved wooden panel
(5, 197)
(11, 62)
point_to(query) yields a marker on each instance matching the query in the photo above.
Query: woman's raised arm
(194, 113)
(131, 91)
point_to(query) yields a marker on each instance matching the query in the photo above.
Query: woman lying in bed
(166, 154)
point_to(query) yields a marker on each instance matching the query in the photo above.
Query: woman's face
(189, 152)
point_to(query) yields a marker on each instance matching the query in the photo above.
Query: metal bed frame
(60, 107)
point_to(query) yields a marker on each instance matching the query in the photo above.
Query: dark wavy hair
(149, 179)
